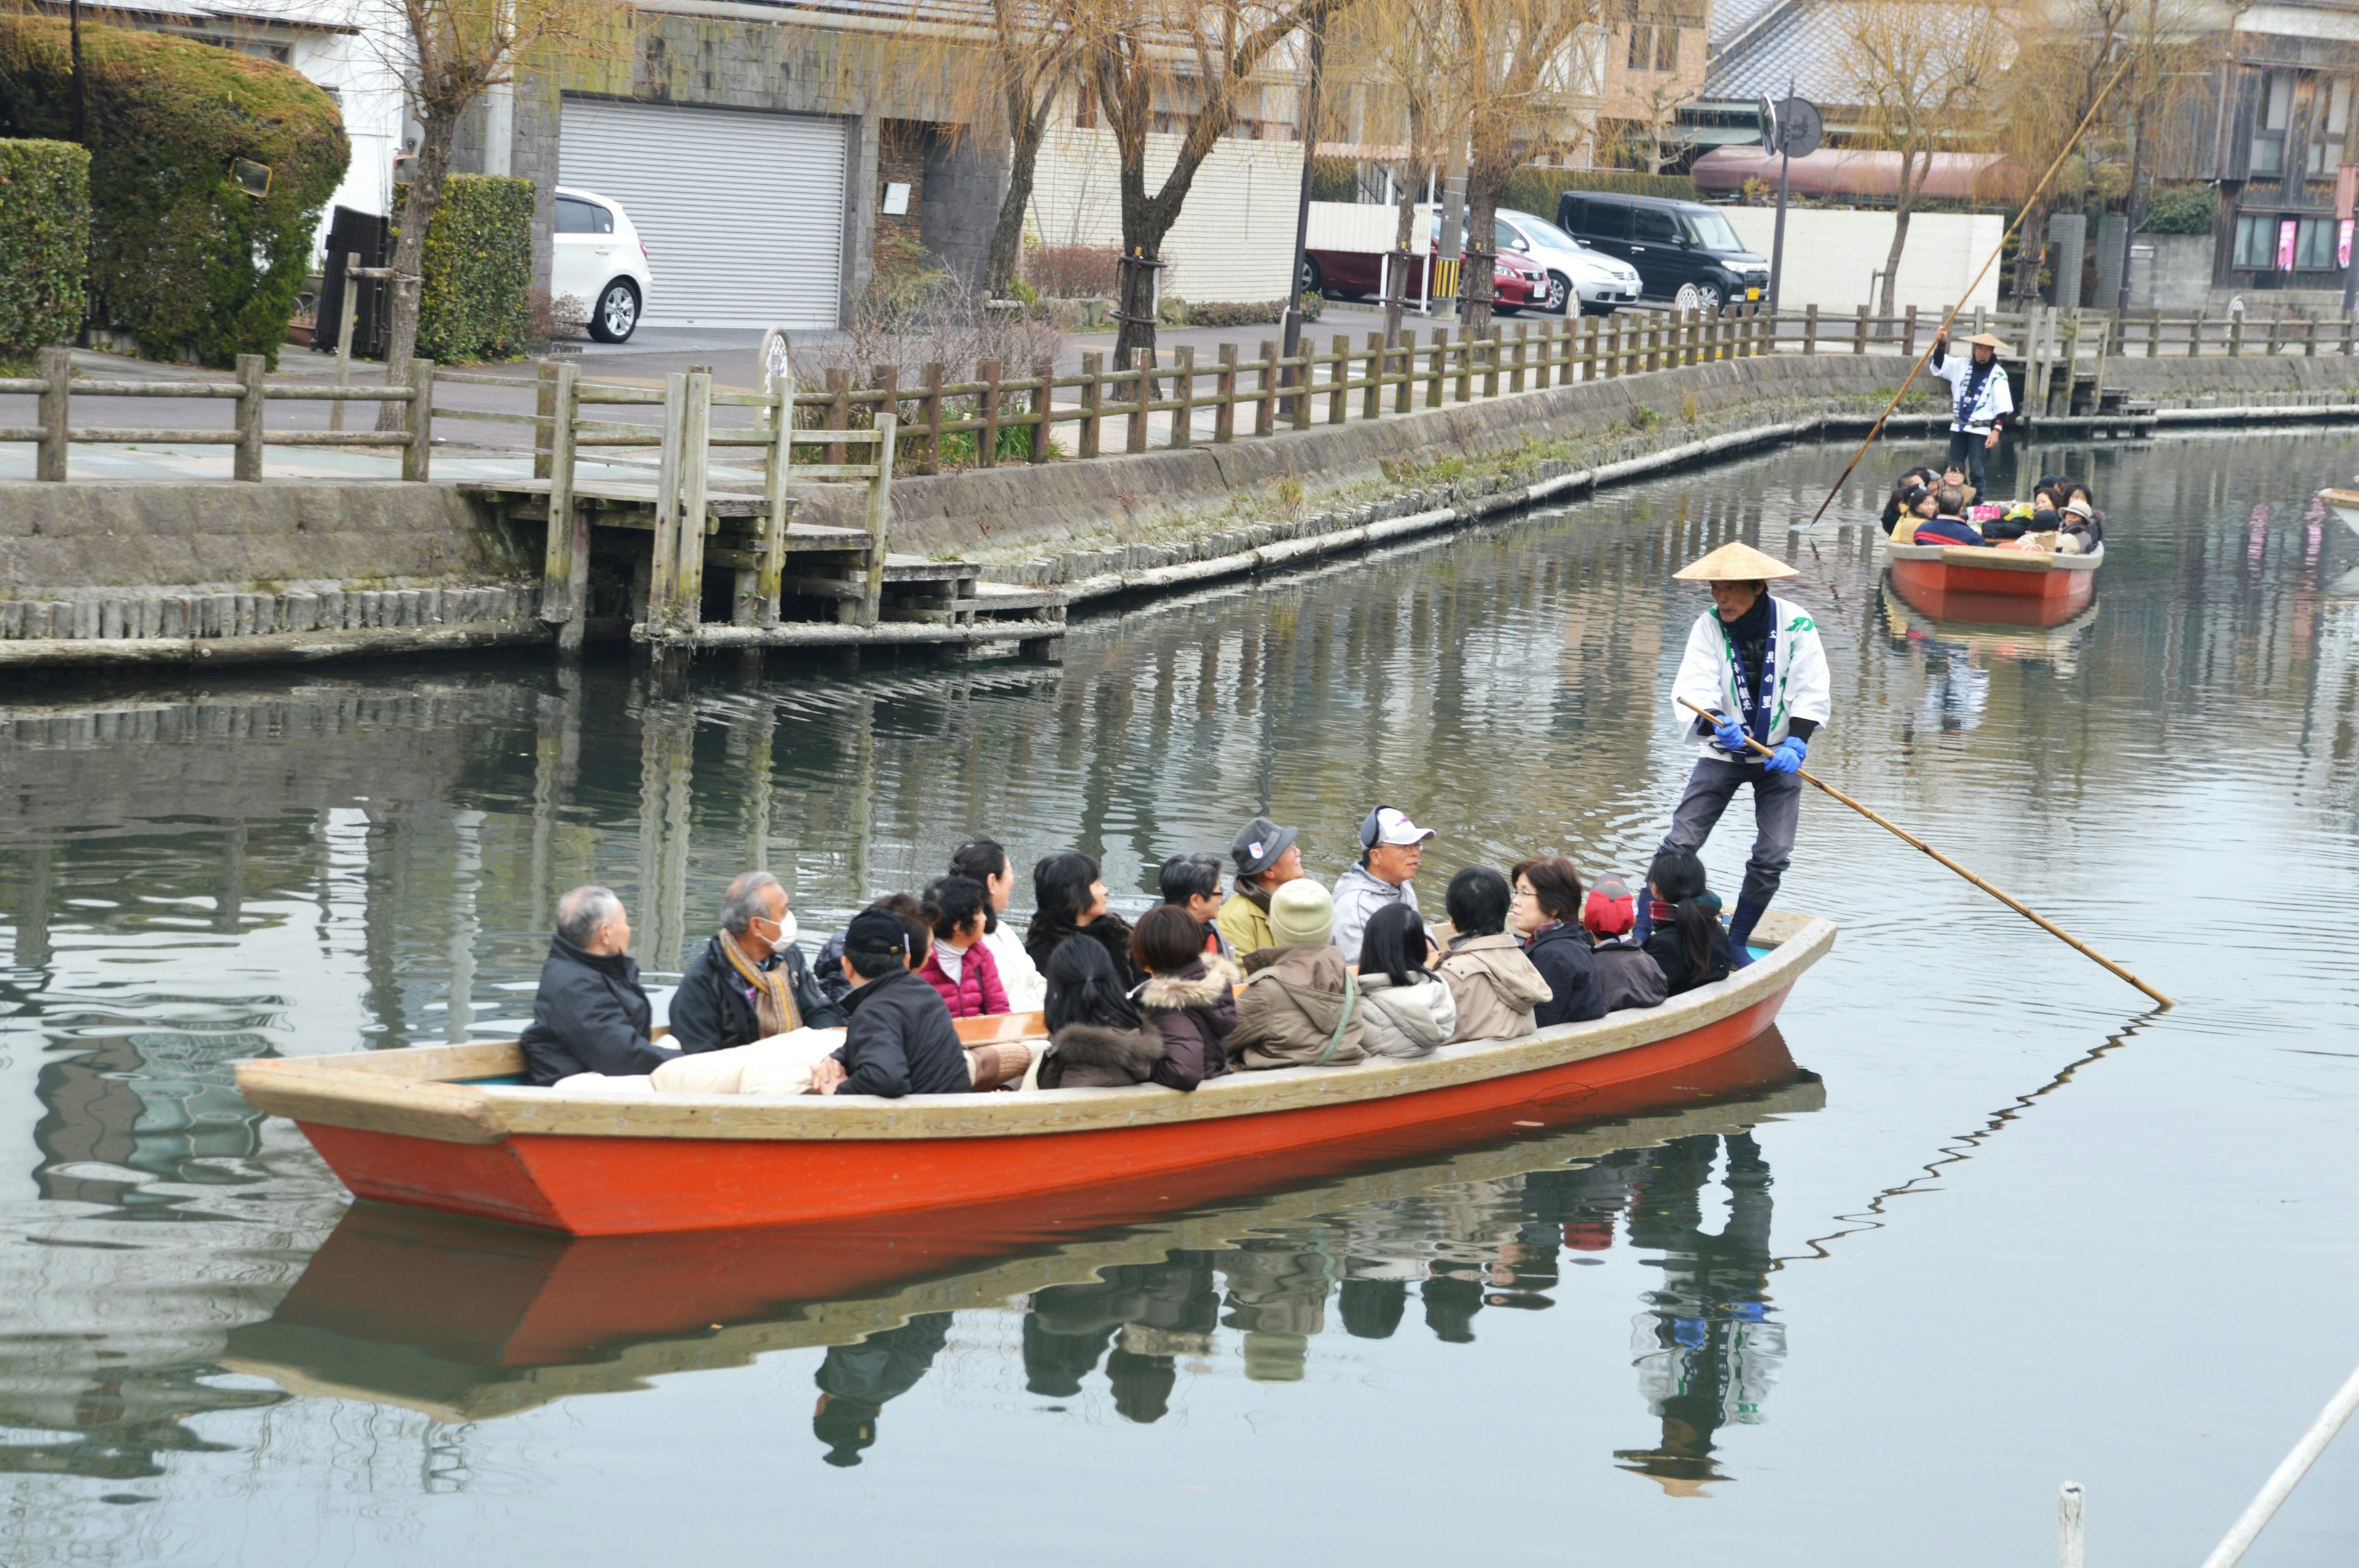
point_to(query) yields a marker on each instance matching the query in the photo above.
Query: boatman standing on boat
(1755, 661)
(1980, 401)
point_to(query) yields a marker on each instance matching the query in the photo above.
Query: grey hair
(581, 912)
(745, 903)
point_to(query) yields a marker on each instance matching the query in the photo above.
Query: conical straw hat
(1735, 562)
(1990, 341)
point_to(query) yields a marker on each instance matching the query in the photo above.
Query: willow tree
(1401, 53)
(455, 51)
(1188, 60)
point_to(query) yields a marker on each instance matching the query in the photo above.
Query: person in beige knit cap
(1300, 1006)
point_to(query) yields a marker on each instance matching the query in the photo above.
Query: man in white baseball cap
(1390, 847)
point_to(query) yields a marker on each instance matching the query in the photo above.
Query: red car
(1515, 283)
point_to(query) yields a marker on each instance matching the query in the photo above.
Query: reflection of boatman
(1754, 660)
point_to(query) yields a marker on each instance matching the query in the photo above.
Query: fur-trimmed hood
(1210, 989)
(1086, 1055)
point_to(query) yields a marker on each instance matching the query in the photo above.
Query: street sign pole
(1791, 128)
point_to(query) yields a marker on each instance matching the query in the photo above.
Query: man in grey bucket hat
(1267, 861)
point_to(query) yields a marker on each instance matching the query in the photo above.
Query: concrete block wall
(135, 617)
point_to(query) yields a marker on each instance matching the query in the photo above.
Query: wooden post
(544, 411)
(1859, 333)
(986, 440)
(561, 386)
(1468, 347)
(2154, 332)
(1588, 348)
(695, 434)
(1403, 355)
(879, 520)
(1044, 409)
(1183, 391)
(57, 370)
(418, 457)
(839, 410)
(344, 340)
(1372, 395)
(2195, 335)
(774, 509)
(1225, 417)
(1265, 410)
(661, 578)
(247, 463)
(1338, 377)
(930, 457)
(1142, 397)
(1493, 351)
(1523, 355)
(2277, 335)
(1436, 360)
(1093, 390)
(2237, 335)
(1298, 405)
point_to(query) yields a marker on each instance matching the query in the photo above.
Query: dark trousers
(1967, 452)
(1776, 808)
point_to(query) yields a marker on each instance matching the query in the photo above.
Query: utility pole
(2137, 135)
(80, 120)
(1309, 133)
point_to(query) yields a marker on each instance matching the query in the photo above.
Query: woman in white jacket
(1406, 1010)
(1754, 661)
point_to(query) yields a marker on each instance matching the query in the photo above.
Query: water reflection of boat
(1999, 642)
(468, 1320)
(2002, 588)
(423, 1127)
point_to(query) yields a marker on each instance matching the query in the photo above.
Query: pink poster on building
(2286, 227)
(2343, 246)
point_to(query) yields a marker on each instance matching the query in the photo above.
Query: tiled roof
(1801, 42)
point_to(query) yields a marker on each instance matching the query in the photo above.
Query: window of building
(2313, 246)
(2330, 130)
(2256, 242)
(1642, 46)
(2269, 125)
(1666, 48)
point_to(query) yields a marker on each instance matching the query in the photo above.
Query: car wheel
(1312, 281)
(617, 315)
(1689, 297)
(1708, 297)
(1560, 294)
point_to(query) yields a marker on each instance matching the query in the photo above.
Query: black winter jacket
(1109, 930)
(1670, 950)
(710, 1012)
(1562, 955)
(589, 1016)
(1628, 975)
(900, 1040)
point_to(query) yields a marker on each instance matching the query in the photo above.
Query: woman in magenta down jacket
(958, 963)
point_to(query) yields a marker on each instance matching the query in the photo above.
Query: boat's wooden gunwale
(2034, 563)
(356, 1091)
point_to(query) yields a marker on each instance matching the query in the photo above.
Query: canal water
(1976, 1223)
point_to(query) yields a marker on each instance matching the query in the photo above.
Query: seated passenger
(749, 982)
(1917, 507)
(1068, 900)
(1495, 986)
(900, 1040)
(1192, 882)
(1947, 525)
(1955, 478)
(987, 863)
(1300, 1006)
(829, 969)
(1096, 1039)
(1627, 973)
(1684, 935)
(1391, 849)
(1898, 502)
(1187, 995)
(590, 1014)
(2079, 530)
(1267, 859)
(1406, 1008)
(1545, 912)
(957, 964)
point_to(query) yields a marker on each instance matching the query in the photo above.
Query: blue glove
(1787, 757)
(1731, 736)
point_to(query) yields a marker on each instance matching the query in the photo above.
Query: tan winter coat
(1496, 987)
(1294, 997)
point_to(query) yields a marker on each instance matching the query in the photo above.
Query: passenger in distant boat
(1909, 485)
(1947, 525)
(1187, 995)
(1627, 973)
(900, 1040)
(1267, 859)
(1407, 1010)
(1068, 900)
(1495, 986)
(590, 1015)
(1917, 507)
(1683, 933)
(1955, 478)
(1391, 847)
(2080, 504)
(1545, 912)
(1192, 884)
(1300, 1006)
(1096, 1039)
(987, 863)
(912, 914)
(958, 965)
(749, 982)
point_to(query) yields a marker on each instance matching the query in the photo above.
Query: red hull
(618, 1185)
(1993, 597)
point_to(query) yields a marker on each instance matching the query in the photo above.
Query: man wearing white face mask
(750, 982)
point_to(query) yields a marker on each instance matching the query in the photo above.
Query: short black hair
(955, 901)
(877, 942)
(1394, 945)
(1060, 885)
(1190, 876)
(1476, 902)
(1167, 938)
(1084, 988)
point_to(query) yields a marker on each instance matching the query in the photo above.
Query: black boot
(1748, 914)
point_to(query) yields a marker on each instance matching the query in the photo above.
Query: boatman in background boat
(1980, 401)
(1755, 661)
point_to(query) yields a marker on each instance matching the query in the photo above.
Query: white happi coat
(1799, 688)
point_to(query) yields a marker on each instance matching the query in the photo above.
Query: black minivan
(1684, 251)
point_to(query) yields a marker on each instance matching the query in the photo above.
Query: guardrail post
(1183, 392)
(879, 520)
(246, 462)
(1403, 351)
(561, 392)
(57, 369)
(1372, 395)
(2195, 336)
(1265, 407)
(2347, 325)
(930, 406)
(1093, 390)
(662, 584)
(1809, 329)
(986, 440)
(1859, 333)
(1142, 396)
(1437, 358)
(344, 338)
(1588, 349)
(1044, 402)
(418, 457)
(1339, 378)
(2237, 335)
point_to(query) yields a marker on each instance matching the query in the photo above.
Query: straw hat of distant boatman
(1735, 561)
(1989, 340)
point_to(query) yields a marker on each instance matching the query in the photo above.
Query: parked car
(1597, 281)
(1516, 284)
(598, 258)
(1684, 252)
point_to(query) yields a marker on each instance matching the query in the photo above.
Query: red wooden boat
(1992, 587)
(435, 1126)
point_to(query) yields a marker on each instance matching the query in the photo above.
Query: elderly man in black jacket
(750, 981)
(900, 1040)
(590, 1015)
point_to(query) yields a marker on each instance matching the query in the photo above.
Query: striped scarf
(774, 999)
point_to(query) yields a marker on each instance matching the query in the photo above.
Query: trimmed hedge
(180, 256)
(475, 296)
(44, 243)
(2181, 210)
(1536, 190)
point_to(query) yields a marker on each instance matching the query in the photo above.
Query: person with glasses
(1391, 849)
(1545, 912)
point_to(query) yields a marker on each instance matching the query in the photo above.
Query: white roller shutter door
(742, 213)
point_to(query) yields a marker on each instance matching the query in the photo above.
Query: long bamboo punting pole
(1912, 840)
(2030, 203)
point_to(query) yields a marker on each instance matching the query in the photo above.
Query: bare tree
(1923, 72)
(1532, 73)
(1401, 53)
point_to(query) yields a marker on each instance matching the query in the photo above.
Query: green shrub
(2181, 210)
(44, 243)
(475, 294)
(1334, 179)
(180, 256)
(1536, 190)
